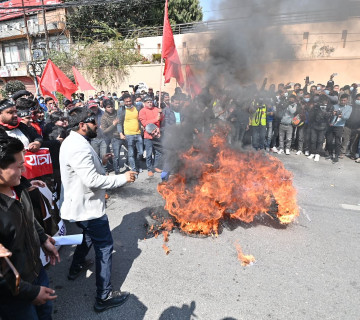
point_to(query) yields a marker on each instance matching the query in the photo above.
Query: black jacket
(320, 117)
(29, 132)
(21, 234)
(354, 121)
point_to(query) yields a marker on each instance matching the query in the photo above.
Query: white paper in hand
(68, 240)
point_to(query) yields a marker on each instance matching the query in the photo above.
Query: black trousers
(317, 140)
(333, 139)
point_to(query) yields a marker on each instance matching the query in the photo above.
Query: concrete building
(17, 60)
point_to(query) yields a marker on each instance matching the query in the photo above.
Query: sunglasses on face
(90, 119)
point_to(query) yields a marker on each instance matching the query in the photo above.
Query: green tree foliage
(86, 23)
(11, 87)
(99, 59)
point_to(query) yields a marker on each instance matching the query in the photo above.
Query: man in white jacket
(83, 201)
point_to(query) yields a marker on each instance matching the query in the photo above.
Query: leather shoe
(73, 274)
(114, 299)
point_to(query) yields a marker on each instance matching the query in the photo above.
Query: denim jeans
(99, 145)
(269, 133)
(151, 162)
(19, 310)
(135, 141)
(116, 146)
(258, 137)
(285, 132)
(96, 232)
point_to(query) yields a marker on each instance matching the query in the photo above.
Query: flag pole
(161, 68)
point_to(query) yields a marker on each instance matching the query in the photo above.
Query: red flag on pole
(192, 84)
(169, 53)
(53, 79)
(80, 80)
(44, 91)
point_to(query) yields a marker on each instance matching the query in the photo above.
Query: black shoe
(114, 299)
(73, 274)
(336, 159)
(329, 157)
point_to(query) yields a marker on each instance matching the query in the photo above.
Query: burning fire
(245, 260)
(216, 181)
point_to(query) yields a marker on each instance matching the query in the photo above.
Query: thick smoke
(252, 35)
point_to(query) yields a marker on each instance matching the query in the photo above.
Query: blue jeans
(19, 310)
(116, 145)
(151, 162)
(96, 232)
(135, 141)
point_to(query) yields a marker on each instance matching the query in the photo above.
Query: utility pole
(45, 27)
(31, 63)
(27, 32)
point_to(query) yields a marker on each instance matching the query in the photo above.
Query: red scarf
(37, 127)
(10, 127)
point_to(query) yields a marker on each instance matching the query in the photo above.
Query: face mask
(318, 88)
(306, 99)
(138, 104)
(357, 102)
(351, 88)
(41, 100)
(286, 94)
(128, 107)
(109, 97)
(327, 91)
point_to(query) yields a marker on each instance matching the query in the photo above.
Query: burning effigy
(216, 182)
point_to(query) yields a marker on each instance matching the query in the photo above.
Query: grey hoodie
(289, 114)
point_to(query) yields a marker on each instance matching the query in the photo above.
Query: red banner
(13, 8)
(37, 164)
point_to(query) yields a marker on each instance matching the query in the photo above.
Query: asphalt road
(310, 270)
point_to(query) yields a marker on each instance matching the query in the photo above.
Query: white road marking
(350, 207)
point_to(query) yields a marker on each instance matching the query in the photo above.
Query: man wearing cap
(150, 114)
(11, 123)
(83, 201)
(21, 94)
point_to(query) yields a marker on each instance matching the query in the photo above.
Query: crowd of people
(85, 139)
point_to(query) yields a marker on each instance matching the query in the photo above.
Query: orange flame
(245, 259)
(166, 236)
(216, 181)
(166, 249)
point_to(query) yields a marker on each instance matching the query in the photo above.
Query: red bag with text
(37, 164)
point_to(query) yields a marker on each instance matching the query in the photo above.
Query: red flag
(169, 53)
(80, 80)
(192, 85)
(53, 79)
(44, 91)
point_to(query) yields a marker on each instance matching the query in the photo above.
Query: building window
(14, 54)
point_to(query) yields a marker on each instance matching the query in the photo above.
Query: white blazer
(83, 180)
